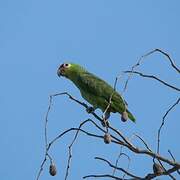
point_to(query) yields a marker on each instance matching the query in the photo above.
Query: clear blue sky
(104, 36)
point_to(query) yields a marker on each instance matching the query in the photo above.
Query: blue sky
(106, 37)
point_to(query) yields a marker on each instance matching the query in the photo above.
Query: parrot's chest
(90, 98)
(92, 94)
(95, 101)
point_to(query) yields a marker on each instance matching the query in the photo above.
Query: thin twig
(134, 67)
(118, 168)
(169, 58)
(151, 151)
(163, 121)
(167, 172)
(110, 101)
(46, 138)
(70, 150)
(73, 141)
(78, 102)
(117, 160)
(173, 159)
(105, 176)
(41, 168)
(171, 155)
(146, 145)
(159, 133)
(154, 77)
(142, 58)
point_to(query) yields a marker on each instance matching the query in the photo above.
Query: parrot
(95, 91)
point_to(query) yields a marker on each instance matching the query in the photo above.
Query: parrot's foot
(105, 123)
(105, 117)
(90, 109)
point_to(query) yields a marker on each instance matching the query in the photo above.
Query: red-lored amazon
(95, 90)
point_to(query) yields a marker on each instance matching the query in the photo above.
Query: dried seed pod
(107, 138)
(158, 169)
(52, 170)
(124, 116)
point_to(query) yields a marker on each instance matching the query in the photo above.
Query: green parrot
(95, 90)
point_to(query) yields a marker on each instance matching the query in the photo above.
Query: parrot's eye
(66, 65)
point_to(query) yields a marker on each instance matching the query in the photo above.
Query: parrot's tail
(131, 117)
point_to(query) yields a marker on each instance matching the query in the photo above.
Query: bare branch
(149, 153)
(41, 168)
(147, 177)
(80, 103)
(118, 168)
(105, 176)
(171, 155)
(110, 101)
(173, 159)
(126, 142)
(163, 121)
(70, 149)
(167, 172)
(146, 145)
(74, 139)
(61, 135)
(117, 160)
(155, 78)
(142, 58)
(46, 139)
(169, 58)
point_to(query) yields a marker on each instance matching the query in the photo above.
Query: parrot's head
(64, 69)
(69, 70)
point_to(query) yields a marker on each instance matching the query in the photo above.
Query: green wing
(98, 88)
(98, 93)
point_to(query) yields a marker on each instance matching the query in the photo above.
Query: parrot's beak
(59, 72)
